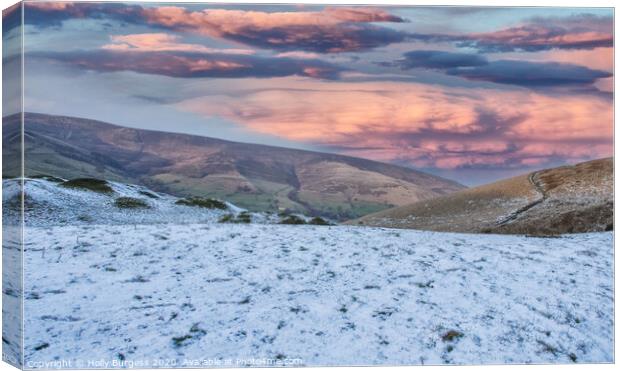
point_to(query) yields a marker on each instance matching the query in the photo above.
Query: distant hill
(566, 199)
(256, 177)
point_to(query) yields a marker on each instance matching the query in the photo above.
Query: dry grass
(207, 203)
(467, 210)
(131, 203)
(88, 184)
(576, 199)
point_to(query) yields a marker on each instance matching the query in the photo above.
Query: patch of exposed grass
(208, 203)
(196, 329)
(88, 184)
(317, 220)
(131, 203)
(243, 217)
(41, 346)
(573, 357)
(180, 340)
(452, 335)
(425, 285)
(228, 218)
(548, 347)
(292, 219)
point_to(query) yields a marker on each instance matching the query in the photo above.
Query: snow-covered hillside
(322, 295)
(171, 286)
(47, 203)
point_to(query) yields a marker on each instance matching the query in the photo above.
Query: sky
(471, 94)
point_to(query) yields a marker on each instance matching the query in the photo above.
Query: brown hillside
(566, 199)
(253, 176)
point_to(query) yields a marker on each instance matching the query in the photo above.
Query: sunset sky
(473, 94)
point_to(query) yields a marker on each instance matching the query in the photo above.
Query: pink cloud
(330, 30)
(584, 31)
(50, 5)
(154, 42)
(535, 37)
(298, 55)
(218, 22)
(422, 125)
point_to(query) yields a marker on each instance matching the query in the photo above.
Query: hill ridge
(566, 199)
(256, 176)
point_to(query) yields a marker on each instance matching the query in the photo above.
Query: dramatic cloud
(575, 32)
(332, 30)
(530, 74)
(192, 64)
(435, 59)
(513, 72)
(503, 90)
(53, 14)
(583, 31)
(329, 31)
(421, 125)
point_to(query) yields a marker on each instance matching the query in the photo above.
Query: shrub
(243, 217)
(89, 184)
(292, 219)
(180, 340)
(208, 203)
(228, 218)
(318, 221)
(130, 203)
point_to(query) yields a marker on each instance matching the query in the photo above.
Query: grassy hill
(566, 199)
(256, 177)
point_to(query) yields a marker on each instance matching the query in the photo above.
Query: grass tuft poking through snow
(207, 203)
(89, 184)
(131, 203)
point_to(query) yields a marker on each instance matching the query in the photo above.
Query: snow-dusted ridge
(176, 288)
(47, 203)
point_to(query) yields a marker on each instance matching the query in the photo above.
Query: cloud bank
(192, 64)
(513, 72)
(423, 126)
(576, 32)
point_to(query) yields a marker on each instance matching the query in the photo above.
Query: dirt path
(533, 179)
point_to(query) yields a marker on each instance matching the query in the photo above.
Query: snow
(206, 293)
(57, 205)
(324, 295)
(11, 294)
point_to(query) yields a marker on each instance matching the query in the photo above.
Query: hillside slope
(48, 203)
(256, 177)
(566, 199)
(323, 295)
